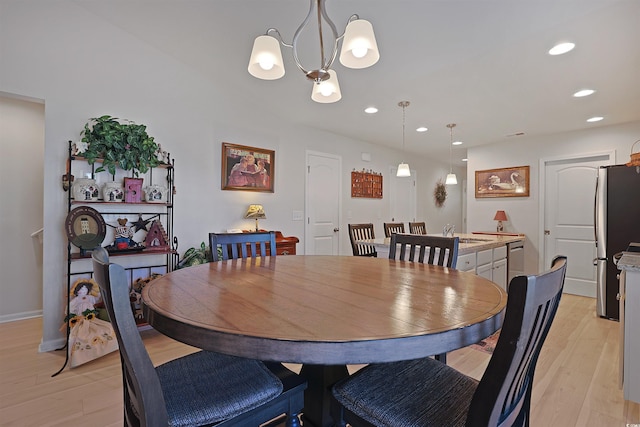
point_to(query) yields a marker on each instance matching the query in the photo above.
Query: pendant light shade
(451, 177)
(403, 168)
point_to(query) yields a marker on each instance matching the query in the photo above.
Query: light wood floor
(576, 380)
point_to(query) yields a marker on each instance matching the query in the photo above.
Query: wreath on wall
(440, 193)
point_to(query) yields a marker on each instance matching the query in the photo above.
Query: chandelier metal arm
(321, 73)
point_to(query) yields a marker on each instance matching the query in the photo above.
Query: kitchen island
(483, 254)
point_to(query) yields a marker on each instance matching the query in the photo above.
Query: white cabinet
(489, 263)
(467, 262)
(499, 274)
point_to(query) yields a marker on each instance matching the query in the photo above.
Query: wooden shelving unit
(366, 185)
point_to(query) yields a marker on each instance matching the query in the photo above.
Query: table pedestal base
(317, 397)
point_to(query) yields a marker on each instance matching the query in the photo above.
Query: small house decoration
(156, 239)
(133, 190)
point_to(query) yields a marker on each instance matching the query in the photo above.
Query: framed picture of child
(247, 168)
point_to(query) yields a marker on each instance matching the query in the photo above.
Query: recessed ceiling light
(456, 143)
(465, 160)
(561, 48)
(595, 119)
(422, 129)
(583, 92)
(371, 110)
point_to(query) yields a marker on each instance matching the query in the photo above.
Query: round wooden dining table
(324, 312)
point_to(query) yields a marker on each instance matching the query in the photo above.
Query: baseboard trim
(20, 316)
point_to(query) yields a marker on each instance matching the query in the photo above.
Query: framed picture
(504, 182)
(247, 168)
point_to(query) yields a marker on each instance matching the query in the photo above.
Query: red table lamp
(500, 216)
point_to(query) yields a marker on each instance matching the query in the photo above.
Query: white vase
(85, 190)
(155, 194)
(112, 191)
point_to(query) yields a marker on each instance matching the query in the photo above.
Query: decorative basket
(635, 157)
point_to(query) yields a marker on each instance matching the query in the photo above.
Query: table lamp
(257, 212)
(500, 216)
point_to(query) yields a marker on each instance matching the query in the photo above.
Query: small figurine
(124, 234)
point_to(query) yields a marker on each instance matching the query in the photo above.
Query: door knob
(335, 230)
(547, 232)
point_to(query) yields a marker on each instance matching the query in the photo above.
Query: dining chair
(202, 388)
(417, 228)
(242, 245)
(425, 249)
(362, 232)
(425, 392)
(393, 228)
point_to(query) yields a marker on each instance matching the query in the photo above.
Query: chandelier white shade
(359, 47)
(266, 59)
(327, 91)
(359, 50)
(451, 179)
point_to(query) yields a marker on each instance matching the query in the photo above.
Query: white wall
(21, 175)
(84, 67)
(523, 212)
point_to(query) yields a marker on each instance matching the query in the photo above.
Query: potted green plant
(125, 145)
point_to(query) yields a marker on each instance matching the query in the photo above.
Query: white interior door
(402, 196)
(569, 219)
(322, 204)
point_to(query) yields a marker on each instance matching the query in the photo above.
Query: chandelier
(359, 50)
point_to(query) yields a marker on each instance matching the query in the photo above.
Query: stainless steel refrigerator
(617, 223)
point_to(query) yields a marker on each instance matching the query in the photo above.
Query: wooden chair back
(417, 228)
(144, 402)
(362, 232)
(393, 228)
(242, 245)
(434, 250)
(503, 396)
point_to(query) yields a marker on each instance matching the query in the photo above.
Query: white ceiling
(482, 64)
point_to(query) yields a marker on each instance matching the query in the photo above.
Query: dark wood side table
(284, 245)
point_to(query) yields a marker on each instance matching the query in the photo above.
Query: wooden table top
(324, 309)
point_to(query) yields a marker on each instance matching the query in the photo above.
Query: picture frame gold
(247, 168)
(502, 182)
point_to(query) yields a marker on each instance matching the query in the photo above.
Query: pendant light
(403, 168)
(451, 177)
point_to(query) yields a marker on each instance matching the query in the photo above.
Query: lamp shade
(403, 170)
(500, 216)
(255, 211)
(327, 91)
(451, 179)
(266, 59)
(359, 47)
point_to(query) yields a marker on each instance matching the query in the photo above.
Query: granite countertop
(468, 242)
(629, 261)
(474, 242)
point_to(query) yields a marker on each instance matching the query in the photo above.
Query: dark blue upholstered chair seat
(225, 387)
(389, 395)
